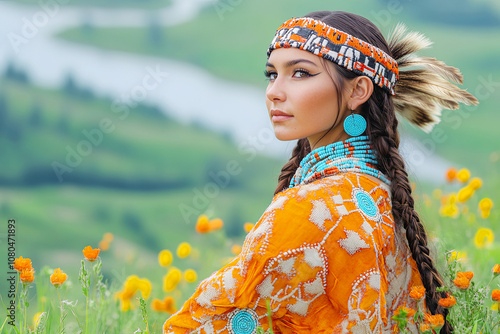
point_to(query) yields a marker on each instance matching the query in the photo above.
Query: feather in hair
(426, 85)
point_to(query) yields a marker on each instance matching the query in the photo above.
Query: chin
(284, 136)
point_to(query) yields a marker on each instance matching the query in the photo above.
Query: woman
(341, 246)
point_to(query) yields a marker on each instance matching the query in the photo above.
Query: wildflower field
(461, 217)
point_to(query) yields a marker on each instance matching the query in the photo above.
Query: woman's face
(302, 99)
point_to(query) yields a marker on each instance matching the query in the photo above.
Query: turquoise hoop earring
(354, 124)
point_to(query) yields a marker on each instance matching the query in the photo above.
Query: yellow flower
(125, 304)
(464, 194)
(190, 275)
(131, 284)
(484, 237)
(247, 227)
(463, 175)
(494, 307)
(183, 250)
(437, 193)
(485, 204)
(130, 287)
(171, 279)
(475, 183)
(450, 210)
(485, 214)
(452, 199)
(58, 277)
(458, 256)
(165, 258)
(144, 285)
(36, 319)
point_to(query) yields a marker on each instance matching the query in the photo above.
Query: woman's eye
(301, 74)
(270, 75)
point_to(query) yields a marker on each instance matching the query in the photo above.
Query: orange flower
(467, 274)
(236, 249)
(104, 245)
(436, 321)
(166, 305)
(247, 227)
(58, 277)
(202, 224)
(21, 264)
(91, 254)
(495, 295)
(27, 275)
(409, 311)
(417, 292)
(108, 237)
(496, 270)
(448, 301)
(451, 174)
(216, 224)
(461, 282)
(425, 328)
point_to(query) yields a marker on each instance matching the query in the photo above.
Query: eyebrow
(293, 62)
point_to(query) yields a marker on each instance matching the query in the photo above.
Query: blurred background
(134, 117)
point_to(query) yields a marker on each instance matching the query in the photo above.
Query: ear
(362, 89)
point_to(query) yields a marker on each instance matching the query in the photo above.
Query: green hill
(226, 40)
(146, 181)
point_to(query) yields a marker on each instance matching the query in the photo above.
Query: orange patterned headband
(343, 49)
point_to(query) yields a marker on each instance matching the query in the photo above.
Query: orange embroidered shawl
(325, 263)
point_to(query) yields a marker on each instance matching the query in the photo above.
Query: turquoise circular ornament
(366, 204)
(354, 125)
(243, 322)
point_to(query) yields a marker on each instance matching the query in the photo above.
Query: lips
(279, 116)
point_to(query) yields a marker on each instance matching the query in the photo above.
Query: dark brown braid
(299, 152)
(382, 130)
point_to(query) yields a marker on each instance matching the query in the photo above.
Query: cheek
(321, 103)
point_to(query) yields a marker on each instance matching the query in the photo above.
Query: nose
(275, 91)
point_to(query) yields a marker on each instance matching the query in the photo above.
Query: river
(189, 93)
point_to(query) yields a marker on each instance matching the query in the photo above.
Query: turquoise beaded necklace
(351, 155)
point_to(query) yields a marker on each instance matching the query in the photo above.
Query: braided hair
(421, 93)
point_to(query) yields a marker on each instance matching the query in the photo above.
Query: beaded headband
(339, 47)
